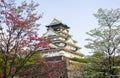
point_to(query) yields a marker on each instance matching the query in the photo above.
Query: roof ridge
(55, 21)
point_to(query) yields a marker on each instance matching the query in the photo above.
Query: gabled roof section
(56, 24)
(55, 21)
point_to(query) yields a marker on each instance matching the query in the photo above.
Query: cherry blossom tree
(19, 40)
(43, 69)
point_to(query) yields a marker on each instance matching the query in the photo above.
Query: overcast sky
(77, 14)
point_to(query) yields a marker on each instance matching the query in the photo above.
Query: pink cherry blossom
(1, 28)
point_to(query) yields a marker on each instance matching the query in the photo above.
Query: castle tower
(62, 42)
(57, 56)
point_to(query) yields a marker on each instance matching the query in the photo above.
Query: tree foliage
(80, 60)
(19, 40)
(106, 38)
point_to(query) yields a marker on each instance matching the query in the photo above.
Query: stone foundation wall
(75, 69)
(58, 70)
(68, 69)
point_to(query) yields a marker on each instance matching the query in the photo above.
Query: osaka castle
(62, 43)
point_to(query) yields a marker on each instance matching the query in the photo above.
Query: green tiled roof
(55, 21)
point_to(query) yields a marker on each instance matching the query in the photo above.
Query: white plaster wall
(61, 53)
(50, 32)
